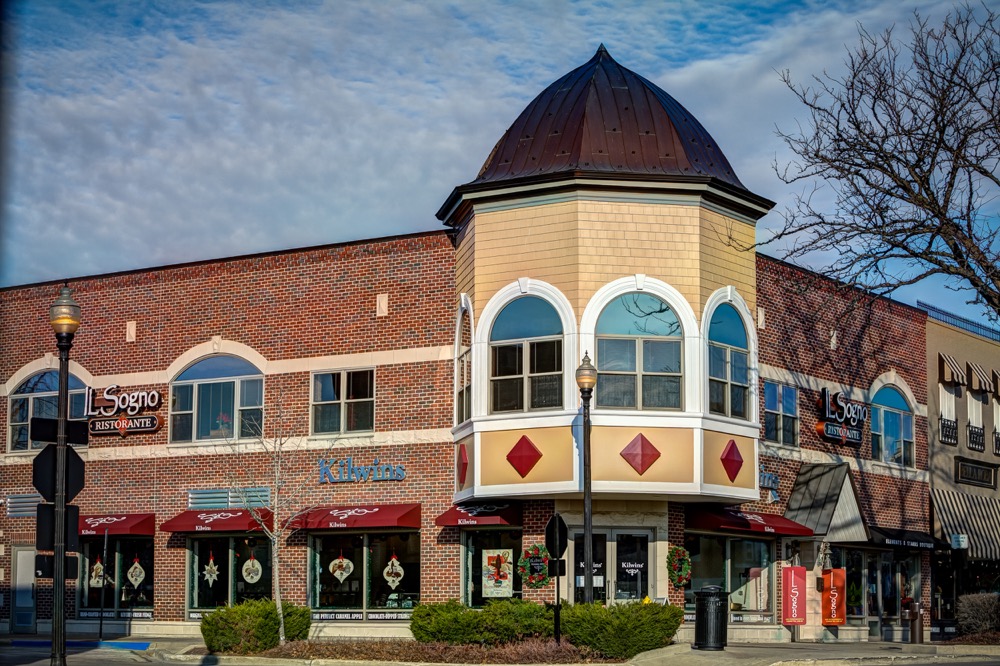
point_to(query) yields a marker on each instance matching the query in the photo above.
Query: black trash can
(710, 618)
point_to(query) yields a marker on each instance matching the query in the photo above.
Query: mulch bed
(534, 651)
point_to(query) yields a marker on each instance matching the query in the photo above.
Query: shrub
(621, 631)
(252, 626)
(498, 623)
(978, 613)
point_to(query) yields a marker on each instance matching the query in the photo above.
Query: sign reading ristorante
(841, 419)
(118, 413)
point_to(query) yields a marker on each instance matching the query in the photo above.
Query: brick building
(422, 392)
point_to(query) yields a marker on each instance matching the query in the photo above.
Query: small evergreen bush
(621, 631)
(978, 613)
(252, 626)
(498, 623)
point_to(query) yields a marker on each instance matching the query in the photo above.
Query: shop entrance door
(628, 576)
(23, 611)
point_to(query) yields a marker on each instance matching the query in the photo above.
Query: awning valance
(215, 520)
(471, 515)
(358, 516)
(979, 379)
(888, 536)
(136, 524)
(950, 370)
(736, 520)
(976, 516)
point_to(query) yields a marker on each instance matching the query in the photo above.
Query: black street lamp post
(64, 316)
(586, 379)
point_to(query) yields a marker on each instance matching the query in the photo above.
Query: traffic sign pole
(64, 341)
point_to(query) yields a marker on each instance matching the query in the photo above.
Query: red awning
(142, 524)
(736, 520)
(215, 520)
(470, 515)
(351, 517)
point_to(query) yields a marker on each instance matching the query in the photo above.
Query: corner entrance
(628, 578)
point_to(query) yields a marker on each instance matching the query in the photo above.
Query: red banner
(793, 595)
(834, 596)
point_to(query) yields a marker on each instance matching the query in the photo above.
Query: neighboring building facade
(964, 409)
(423, 390)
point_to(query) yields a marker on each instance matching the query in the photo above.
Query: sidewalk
(179, 650)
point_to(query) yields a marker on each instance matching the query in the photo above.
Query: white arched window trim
(481, 340)
(464, 307)
(44, 364)
(640, 283)
(730, 296)
(893, 379)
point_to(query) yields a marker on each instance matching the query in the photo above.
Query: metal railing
(949, 431)
(977, 438)
(960, 322)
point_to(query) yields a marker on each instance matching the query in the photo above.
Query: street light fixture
(64, 316)
(586, 379)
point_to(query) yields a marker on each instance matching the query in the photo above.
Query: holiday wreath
(678, 566)
(533, 566)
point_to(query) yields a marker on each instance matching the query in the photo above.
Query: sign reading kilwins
(841, 419)
(115, 412)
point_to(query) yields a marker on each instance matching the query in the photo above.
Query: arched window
(892, 428)
(728, 364)
(639, 354)
(38, 396)
(526, 357)
(214, 396)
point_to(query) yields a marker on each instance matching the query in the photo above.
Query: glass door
(628, 578)
(599, 550)
(23, 617)
(632, 571)
(873, 593)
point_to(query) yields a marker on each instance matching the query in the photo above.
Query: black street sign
(556, 535)
(47, 430)
(45, 528)
(43, 473)
(557, 567)
(45, 566)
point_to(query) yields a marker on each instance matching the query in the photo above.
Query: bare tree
(909, 142)
(284, 477)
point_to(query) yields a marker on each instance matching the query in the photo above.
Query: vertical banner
(793, 595)
(498, 573)
(834, 596)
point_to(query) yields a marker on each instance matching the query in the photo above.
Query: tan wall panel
(465, 264)
(470, 475)
(579, 246)
(722, 262)
(675, 464)
(556, 463)
(715, 473)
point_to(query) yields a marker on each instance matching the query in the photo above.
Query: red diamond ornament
(640, 453)
(524, 456)
(463, 464)
(731, 459)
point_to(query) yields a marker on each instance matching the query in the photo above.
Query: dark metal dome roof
(602, 118)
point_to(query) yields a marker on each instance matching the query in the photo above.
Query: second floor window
(728, 364)
(220, 397)
(526, 357)
(781, 414)
(639, 354)
(38, 397)
(343, 401)
(892, 428)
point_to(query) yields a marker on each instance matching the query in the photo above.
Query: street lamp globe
(586, 374)
(64, 315)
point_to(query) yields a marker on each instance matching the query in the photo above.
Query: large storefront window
(491, 565)
(124, 573)
(374, 575)
(879, 583)
(744, 567)
(228, 570)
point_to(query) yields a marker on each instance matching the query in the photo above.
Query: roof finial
(601, 49)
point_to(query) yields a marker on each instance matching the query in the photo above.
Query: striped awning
(951, 371)
(979, 379)
(975, 516)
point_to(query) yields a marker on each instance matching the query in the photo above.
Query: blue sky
(145, 133)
